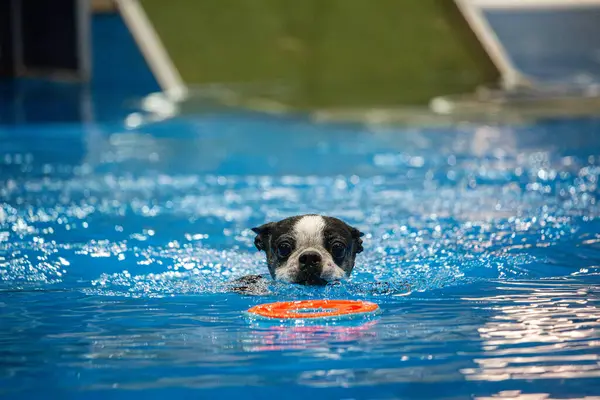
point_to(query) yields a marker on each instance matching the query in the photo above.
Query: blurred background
(340, 57)
(330, 52)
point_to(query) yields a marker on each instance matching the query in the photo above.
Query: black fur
(270, 235)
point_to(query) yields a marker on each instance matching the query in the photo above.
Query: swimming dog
(306, 249)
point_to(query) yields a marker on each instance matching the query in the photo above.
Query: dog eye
(338, 250)
(284, 249)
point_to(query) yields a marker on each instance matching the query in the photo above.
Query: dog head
(309, 249)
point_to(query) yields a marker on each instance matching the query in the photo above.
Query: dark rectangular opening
(7, 61)
(49, 34)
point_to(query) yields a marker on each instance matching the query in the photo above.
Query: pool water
(482, 249)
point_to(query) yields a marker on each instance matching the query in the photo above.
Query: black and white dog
(306, 249)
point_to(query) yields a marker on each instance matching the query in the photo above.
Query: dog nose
(310, 259)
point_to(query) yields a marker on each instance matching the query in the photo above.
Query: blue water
(117, 243)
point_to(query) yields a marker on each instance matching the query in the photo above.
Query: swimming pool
(116, 245)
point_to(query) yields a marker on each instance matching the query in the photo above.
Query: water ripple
(482, 248)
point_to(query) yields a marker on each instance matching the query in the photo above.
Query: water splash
(473, 205)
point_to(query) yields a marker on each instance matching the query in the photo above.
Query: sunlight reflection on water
(482, 248)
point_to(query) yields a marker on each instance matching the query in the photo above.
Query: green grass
(333, 52)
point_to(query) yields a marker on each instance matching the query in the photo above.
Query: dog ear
(262, 235)
(356, 236)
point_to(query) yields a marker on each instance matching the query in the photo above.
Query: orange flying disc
(313, 308)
